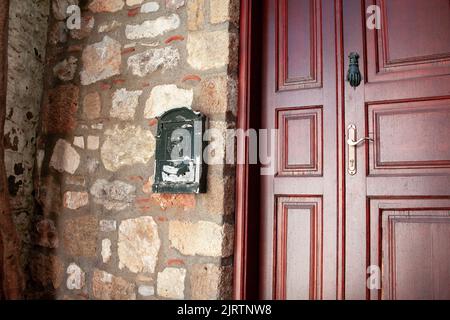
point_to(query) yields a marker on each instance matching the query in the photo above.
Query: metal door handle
(357, 143)
(352, 145)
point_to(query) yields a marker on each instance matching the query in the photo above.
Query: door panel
(410, 240)
(299, 44)
(300, 141)
(298, 262)
(298, 257)
(410, 137)
(413, 42)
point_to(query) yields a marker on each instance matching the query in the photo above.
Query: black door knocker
(354, 75)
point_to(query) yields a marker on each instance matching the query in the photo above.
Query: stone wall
(100, 233)
(28, 21)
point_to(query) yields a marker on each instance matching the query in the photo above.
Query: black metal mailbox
(179, 165)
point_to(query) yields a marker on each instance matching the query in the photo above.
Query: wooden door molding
(240, 252)
(387, 220)
(245, 280)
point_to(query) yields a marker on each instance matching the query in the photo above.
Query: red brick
(128, 50)
(60, 109)
(174, 38)
(192, 77)
(119, 81)
(133, 12)
(175, 263)
(105, 86)
(80, 236)
(167, 201)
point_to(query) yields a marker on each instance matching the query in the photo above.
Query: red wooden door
(299, 206)
(398, 205)
(323, 226)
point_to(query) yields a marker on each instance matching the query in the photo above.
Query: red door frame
(241, 252)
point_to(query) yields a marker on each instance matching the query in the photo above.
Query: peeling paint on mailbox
(179, 166)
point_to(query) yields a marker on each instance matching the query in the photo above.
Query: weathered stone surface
(76, 181)
(23, 226)
(75, 200)
(115, 195)
(174, 4)
(92, 165)
(105, 286)
(166, 97)
(108, 225)
(153, 28)
(124, 104)
(202, 238)
(60, 109)
(144, 278)
(78, 142)
(220, 138)
(109, 26)
(47, 235)
(65, 157)
(92, 106)
(80, 236)
(106, 5)
(217, 135)
(14, 139)
(50, 196)
(134, 2)
(59, 8)
(139, 245)
(150, 7)
(153, 59)
(93, 142)
(195, 13)
(40, 155)
(106, 250)
(76, 278)
(213, 95)
(128, 146)
(147, 187)
(171, 283)
(97, 126)
(26, 51)
(87, 25)
(210, 282)
(47, 270)
(220, 199)
(58, 33)
(219, 11)
(101, 60)
(146, 291)
(208, 50)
